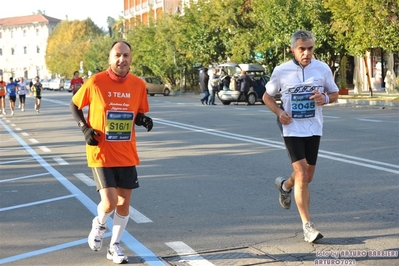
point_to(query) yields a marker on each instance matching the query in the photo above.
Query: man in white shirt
(305, 84)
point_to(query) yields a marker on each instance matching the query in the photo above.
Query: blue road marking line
(132, 243)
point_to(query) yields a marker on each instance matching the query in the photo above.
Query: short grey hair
(304, 35)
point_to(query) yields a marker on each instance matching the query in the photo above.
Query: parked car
(156, 86)
(45, 83)
(259, 80)
(67, 85)
(56, 84)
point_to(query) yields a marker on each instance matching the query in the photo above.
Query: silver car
(156, 86)
(259, 80)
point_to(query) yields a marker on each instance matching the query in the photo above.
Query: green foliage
(359, 25)
(68, 44)
(213, 31)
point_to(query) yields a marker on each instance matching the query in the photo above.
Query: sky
(97, 10)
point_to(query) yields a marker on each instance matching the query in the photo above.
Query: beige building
(23, 42)
(140, 11)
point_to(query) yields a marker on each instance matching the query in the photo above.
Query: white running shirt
(22, 88)
(296, 85)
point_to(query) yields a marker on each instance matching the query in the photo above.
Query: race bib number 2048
(119, 126)
(302, 106)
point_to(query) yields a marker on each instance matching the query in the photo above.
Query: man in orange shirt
(2, 96)
(117, 102)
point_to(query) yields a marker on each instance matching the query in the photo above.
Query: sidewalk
(379, 100)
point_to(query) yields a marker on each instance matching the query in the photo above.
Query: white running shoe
(12, 112)
(19, 106)
(115, 253)
(310, 234)
(4, 112)
(23, 110)
(95, 239)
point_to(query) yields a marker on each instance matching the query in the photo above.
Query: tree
(279, 19)
(68, 44)
(359, 25)
(98, 53)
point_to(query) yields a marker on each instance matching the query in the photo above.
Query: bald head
(120, 58)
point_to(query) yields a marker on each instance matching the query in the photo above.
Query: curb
(393, 105)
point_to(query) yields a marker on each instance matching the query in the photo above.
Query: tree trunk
(368, 76)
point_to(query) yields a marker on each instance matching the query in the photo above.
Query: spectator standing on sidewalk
(204, 85)
(213, 86)
(245, 82)
(305, 84)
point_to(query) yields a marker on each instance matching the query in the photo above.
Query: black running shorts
(123, 177)
(299, 148)
(12, 98)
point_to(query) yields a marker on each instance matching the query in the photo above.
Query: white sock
(102, 216)
(284, 188)
(120, 223)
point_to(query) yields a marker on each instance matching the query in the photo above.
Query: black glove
(145, 121)
(89, 135)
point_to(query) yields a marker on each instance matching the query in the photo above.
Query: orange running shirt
(112, 111)
(2, 88)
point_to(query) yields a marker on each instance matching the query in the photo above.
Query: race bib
(302, 106)
(2, 89)
(119, 126)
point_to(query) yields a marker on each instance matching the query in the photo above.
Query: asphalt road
(207, 194)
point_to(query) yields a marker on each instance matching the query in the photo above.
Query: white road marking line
(36, 203)
(13, 125)
(188, 254)
(60, 161)
(23, 177)
(18, 161)
(85, 179)
(44, 148)
(17, 128)
(24, 134)
(33, 140)
(376, 121)
(278, 144)
(137, 216)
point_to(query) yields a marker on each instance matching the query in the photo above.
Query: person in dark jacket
(225, 81)
(204, 84)
(245, 83)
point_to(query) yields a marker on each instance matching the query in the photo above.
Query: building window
(37, 32)
(12, 34)
(24, 33)
(12, 51)
(1, 51)
(38, 49)
(1, 35)
(25, 50)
